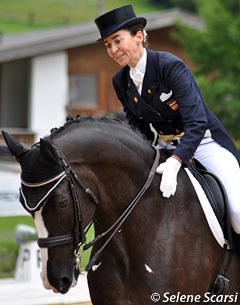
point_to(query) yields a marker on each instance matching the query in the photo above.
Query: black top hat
(117, 19)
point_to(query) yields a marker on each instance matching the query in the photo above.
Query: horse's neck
(116, 165)
(119, 170)
(109, 150)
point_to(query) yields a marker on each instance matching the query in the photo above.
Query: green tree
(188, 5)
(215, 51)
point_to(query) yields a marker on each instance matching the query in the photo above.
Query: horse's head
(52, 193)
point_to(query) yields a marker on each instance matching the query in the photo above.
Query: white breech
(224, 165)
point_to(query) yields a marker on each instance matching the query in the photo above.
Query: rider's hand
(169, 171)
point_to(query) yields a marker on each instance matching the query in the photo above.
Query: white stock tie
(137, 77)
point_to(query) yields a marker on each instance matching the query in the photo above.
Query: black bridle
(79, 236)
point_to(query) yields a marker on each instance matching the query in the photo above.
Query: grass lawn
(28, 15)
(9, 247)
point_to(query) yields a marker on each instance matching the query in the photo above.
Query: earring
(145, 36)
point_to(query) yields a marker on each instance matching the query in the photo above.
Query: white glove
(169, 171)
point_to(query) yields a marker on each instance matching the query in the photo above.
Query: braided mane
(91, 120)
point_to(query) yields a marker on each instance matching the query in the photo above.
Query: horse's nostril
(64, 285)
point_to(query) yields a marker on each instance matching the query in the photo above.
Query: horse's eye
(63, 203)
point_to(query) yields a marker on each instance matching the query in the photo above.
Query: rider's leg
(225, 166)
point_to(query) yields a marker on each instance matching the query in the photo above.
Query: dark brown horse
(154, 250)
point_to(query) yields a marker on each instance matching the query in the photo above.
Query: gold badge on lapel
(135, 99)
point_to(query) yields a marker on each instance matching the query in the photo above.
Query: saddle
(216, 195)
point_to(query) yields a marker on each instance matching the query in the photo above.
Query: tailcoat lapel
(150, 81)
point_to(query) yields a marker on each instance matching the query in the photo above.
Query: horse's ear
(16, 148)
(48, 151)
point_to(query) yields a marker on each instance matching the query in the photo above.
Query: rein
(115, 227)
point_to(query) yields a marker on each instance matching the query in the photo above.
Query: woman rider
(159, 93)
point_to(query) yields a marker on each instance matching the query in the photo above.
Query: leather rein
(78, 237)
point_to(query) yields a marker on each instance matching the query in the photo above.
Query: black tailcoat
(172, 102)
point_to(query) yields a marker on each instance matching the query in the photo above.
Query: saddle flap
(215, 193)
